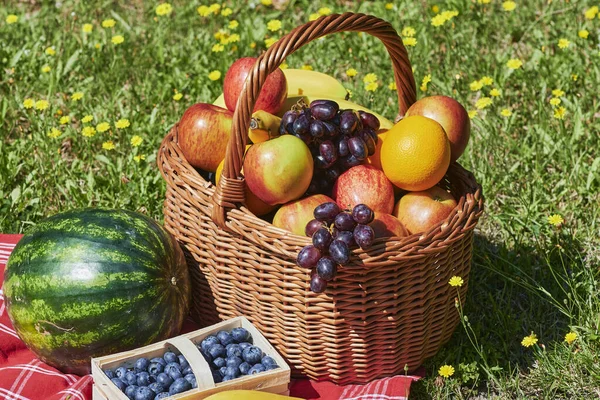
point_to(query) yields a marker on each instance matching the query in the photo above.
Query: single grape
(358, 148)
(313, 226)
(328, 151)
(362, 214)
(346, 237)
(371, 146)
(326, 268)
(339, 251)
(332, 174)
(327, 211)
(289, 117)
(364, 236)
(369, 120)
(324, 109)
(332, 130)
(343, 149)
(301, 125)
(317, 129)
(322, 239)
(308, 257)
(348, 122)
(344, 222)
(349, 162)
(317, 284)
(322, 163)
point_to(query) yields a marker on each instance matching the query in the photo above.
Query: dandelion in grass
(506, 112)
(274, 25)
(122, 123)
(563, 43)
(77, 96)
(495, 92)
(266, 2)
(487, 81)
(46, 68)
(438, 20)
(226, 12)
(555, 220)
(164, 9)
(88, 131)
(409, 41)
(425, 82)
(514, 63)
(472, 114)
(392, 86)
(307, 67)
(54, 133)
(446, 371)
(177, 96)
(217, 48)
(558, 93)
(233, 38)
(350, 72)
(11, 19)
(204, 11)
(214, 75)
(87, 28)
(50, 51)
(529, 341)
(435, 8)
(136, 140)
(108, 23)
(108, 145)
(483, 1)
(456, 281)
(371, 87)
(117, 39)
(28, 103)
(215, 8)
(408, 31)
(283, 66)
(555, 101)
(233, 24)
(591, 12)
(102, 127)
(389, 6)
(509, 5)
(560, 113)
(41, 105)
(584, 33)
(98, 46)
(483, 102)
(270, 42)
(371, 77)
(253, 45)
(87, 118)
(574, 77)
(139, 158)
(64, 120)
(570, 337)
(324, 11)
(476, 85)
(448, 15)
(313, 17)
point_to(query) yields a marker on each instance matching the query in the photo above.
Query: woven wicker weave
(389, 308)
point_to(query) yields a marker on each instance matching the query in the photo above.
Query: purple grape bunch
(334, 231)
(338, 139)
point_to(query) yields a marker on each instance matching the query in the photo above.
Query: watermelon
(87, 283)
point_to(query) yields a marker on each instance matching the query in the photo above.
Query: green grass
(527, 276)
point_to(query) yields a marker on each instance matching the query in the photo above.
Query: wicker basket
(389, 308)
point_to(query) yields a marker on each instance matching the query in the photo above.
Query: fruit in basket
(263, 126)
(386, 225)
(278, 170)
(419, 211)
(248, 395)
(415, 154)
(451, 115)
(302, 82)
(367, 185)
(272, 95)
(115, 265)
(203, 134)
(375, 159)
(295, 215)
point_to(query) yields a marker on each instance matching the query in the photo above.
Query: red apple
(294, 215)
(272, 95)
(386, 225)
(419, 211)
(203, 134)
(451, 115)
(279, 170)
(367, 185)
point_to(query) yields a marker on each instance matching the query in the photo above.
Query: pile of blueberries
(231, 355)
(154, 379)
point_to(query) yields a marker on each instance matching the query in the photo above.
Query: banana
(220, 101)
(263, 126)
(248, 395)
(301, 82)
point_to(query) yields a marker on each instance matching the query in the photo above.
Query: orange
(416, 153)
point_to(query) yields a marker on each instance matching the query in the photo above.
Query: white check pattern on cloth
(371, 391)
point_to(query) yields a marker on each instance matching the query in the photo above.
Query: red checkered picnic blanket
(24, 377)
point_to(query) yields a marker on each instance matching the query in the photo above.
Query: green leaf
(70, 62)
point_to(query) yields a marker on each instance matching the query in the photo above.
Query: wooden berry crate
(273, 381)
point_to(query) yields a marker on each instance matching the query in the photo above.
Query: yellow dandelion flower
(117, 39)
(370, 78)
(438, 20)
(448, 15)
(514, 63)
(266, 2)
(509, 5)
(50, 51)
(164, 9)
(204, 11)
(495, 92)
(234, 37)
(274, 25)
(283, 66)
(28, 103)
(574, 77)
(409, 41)
(487, 80)
(435, 8)
(591, 12)
(108, 145)
(54, 133)
(483, 103)
(570, 337)
(177, 96)
(88, 131)
(371, 87)
(389, 6)
(584, 33)
(563, 43)
(226, 12)
(233, 24)
(392, 86)
(253, 45)
(103, 127)
(270, 42)
(217, 48)
(426, 80)
(506, 112)
(11, 19)
(555, 219)
(77, 96)
(307, 67)
(87, 118)
(530, 340)
(472, 114)
(64, 120)
(408, 31)
(555, 101)
(483, 1)
(351, 72)
(324, 11)
(214, 75)
(476, 85)
(97, 45)
(313, 16)
(558, 93)
(139, 158)
(41, 105)
(122, 123)
(87, 28)
(108, 23)
(446, 371)
(215, 8)
(136, 141)
(456, 281)
(560, 112)
(46, 69)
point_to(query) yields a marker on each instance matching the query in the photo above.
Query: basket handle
(230, 189)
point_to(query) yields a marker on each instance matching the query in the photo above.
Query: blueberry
(170, 357)
(164, 379)
(110, 373)
(234, 362)
(219, 362)
(143, 379)
(217, 350)
(206, 356)
(252, 355)
(130, 392)
(191, 378)
(186, 371)
(119, 383)
(243, 345)
(257, 368)
(159, 360)
(130, 378)
(244, 368)
(234, 350)
(172, 366)
(141, 364)
(269, 363)
(182, 361)
(216, 375)
(156, 387)
(179, 386)
(233, 371)
(225, 338)
(120, 372)
(208, 342)
(144, 393)
(222, 371)
(240, 335)
(228, 378)
(162, 395)
(155, 368)
(175, 374)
